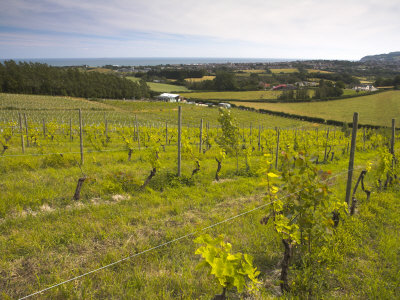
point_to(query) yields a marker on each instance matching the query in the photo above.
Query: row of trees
(36, 78)
(325, 90)
(395, 81)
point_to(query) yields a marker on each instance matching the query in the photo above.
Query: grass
(46, 237)
(318, 71)
(246, 95)
(289, 70)
(162, 87)
(377, 109)
(209, 77)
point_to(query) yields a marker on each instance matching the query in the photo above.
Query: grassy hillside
(376, 109)
(62, 109)
(162, 87)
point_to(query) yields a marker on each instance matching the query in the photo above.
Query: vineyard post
(27, 130)
(326, 144)
(179, 138)
(251, 127)
(277, 148)
(393, 141)
(166, 133)
(81, 134)
(138, 135)
(44, 127)
(22, 134)
(364, 139)
(201, 135)
(259, 137)
(105, 126)
(70, 129)
(351, 160)
(135, 129)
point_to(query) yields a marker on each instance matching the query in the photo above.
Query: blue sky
(191, 28)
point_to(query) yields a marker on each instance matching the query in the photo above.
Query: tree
(225, 81)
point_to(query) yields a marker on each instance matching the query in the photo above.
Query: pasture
(377, 109)
(162, 87)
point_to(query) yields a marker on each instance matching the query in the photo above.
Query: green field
(246, 95)
(289, 70)
(210, 77)
(162, 87)
(377, 109)
(62, 109)
(121, 241)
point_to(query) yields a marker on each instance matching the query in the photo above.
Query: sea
(144, 61)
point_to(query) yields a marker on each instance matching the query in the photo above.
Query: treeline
(395, 81)
(177, 74)
(36, 78)
(326, 90)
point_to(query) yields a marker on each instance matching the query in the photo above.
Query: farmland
(246, 95)
(162, 87)
(209, 77)
(48, 238)
(377, 109)
(288, 70)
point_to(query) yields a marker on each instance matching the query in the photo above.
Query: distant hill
(392, 56)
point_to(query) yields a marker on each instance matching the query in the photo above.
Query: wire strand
(175, 240)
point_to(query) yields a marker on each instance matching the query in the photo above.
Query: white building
(367, 88)
(167, 97)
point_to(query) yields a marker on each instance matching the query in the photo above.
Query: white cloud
(310, 28)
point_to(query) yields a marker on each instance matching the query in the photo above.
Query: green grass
(246, 95)
(288, 70)
(377, 109)
(62, 109)
(46, 237)
(162, 87)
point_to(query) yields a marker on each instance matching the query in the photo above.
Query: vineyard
(124, 199)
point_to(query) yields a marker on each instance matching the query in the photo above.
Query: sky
(297, 29)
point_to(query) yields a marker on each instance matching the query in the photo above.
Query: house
(283, 87)
(279, 87)
(224, 105)
(167, 97)
(365, 87)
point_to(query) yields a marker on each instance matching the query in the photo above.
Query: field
(121, 240)
(118, 112)
(246, 95)
(162, 87)
(277, 71)
(377, 109)
(200, 79)
(318, 71)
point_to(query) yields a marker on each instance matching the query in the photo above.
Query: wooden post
(179, 138)
(81, 134)
(26, 130)
(251, 131)
(22, 134)
(70, 129)
(201, 135)
(364, 139)
(351, 160)
(393, 137)
(259, 137)
(106, 128)
(166, 133)
(392, 142)
(277, 149)
(326, 144)
(44, 127)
